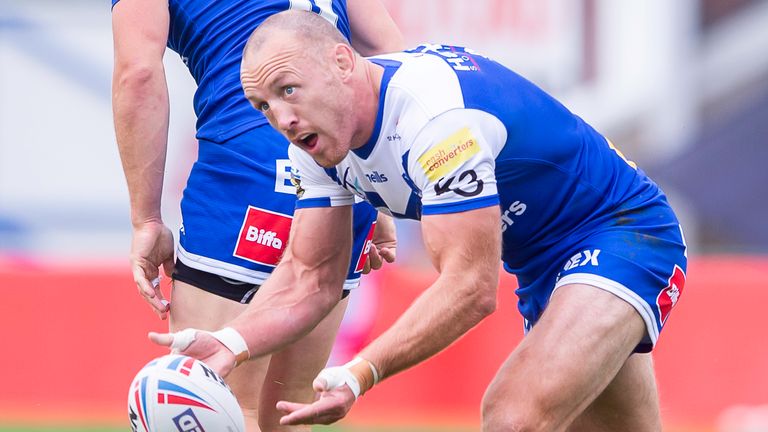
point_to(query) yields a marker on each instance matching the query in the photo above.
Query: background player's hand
(151, 247)
(198, 344)
(334, 402)
(384, 244)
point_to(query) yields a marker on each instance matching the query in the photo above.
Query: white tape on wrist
(235, 342)
(373, 369)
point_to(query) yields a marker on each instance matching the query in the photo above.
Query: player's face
(302, 96)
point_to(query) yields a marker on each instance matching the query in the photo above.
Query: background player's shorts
(641, 259)
(237, 210)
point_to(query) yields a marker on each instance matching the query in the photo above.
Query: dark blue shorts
(238, 206)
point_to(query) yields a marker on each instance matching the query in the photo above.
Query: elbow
(485, 302)
(137, 75)
(479, 301)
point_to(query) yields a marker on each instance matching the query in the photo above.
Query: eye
(289, 90)
(263, 106)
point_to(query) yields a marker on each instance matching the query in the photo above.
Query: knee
(501, 414)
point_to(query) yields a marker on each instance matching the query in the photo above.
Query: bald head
(301, 27)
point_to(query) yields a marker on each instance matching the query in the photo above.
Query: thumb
(328, 379)
(163, 339)
(178, 341)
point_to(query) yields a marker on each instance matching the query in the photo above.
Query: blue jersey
(210, 37)
(456, 131)
(238, 203)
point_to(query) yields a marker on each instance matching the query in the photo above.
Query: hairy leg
(568, 359)
(193, 307)
(292, 370)
(630, 402)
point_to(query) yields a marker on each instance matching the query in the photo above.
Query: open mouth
(309, 141)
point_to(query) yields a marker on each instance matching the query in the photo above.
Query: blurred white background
(680, 86)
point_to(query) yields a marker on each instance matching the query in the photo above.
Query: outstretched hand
(334, 403)
(151, 247)
(198, 344)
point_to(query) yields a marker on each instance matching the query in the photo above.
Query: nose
(285, 117)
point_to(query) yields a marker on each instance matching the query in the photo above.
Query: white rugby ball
(176, 393)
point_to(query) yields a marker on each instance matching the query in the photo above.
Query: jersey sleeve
(452, 161)
(315, 185)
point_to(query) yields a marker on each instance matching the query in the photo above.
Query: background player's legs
(193, 307)
(292, 370)
(572, 354)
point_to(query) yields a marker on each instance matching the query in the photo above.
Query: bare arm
(299, 293)
(373, 30)
(140, 101)
(305, 286)
(466, 249)
(140, 111)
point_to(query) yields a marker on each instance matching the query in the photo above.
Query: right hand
(199, 344)
(151, 247)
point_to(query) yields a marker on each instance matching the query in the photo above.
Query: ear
(345, 60)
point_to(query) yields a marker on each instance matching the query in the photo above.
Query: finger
(301, 414)
(374, 258)
(163, 339)
(388, 254)
(153, 296)
(165, 304)
(289, 407)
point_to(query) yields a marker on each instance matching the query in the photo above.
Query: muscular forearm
(140, 108)
(442, 314)
(287, 307)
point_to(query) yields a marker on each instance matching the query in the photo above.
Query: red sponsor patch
(263, 236)
(366, 249)
(667, 298)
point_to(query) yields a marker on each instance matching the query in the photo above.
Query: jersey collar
(390, 67)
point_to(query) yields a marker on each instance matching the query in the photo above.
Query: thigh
(193, 307)
(630, 402)
(566, 361)
(292, 370)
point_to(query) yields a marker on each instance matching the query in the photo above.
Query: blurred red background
(74, 337)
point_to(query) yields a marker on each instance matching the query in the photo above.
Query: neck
(368, 96)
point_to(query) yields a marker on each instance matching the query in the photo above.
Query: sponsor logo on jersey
(187, 422)
(517, 208)
(263, 236)
(376, 177)
(667, 298)
(366, 249)
(449, 154)
(296, 182)
(581, 259)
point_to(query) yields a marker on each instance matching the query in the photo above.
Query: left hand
(200, 345)
(335, 401)
(383, 245)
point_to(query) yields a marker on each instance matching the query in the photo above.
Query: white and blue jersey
(239, 202)
(456, 131)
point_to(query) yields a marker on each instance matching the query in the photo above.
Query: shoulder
(428, 83)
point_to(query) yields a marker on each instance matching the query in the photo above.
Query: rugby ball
(177, 393)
